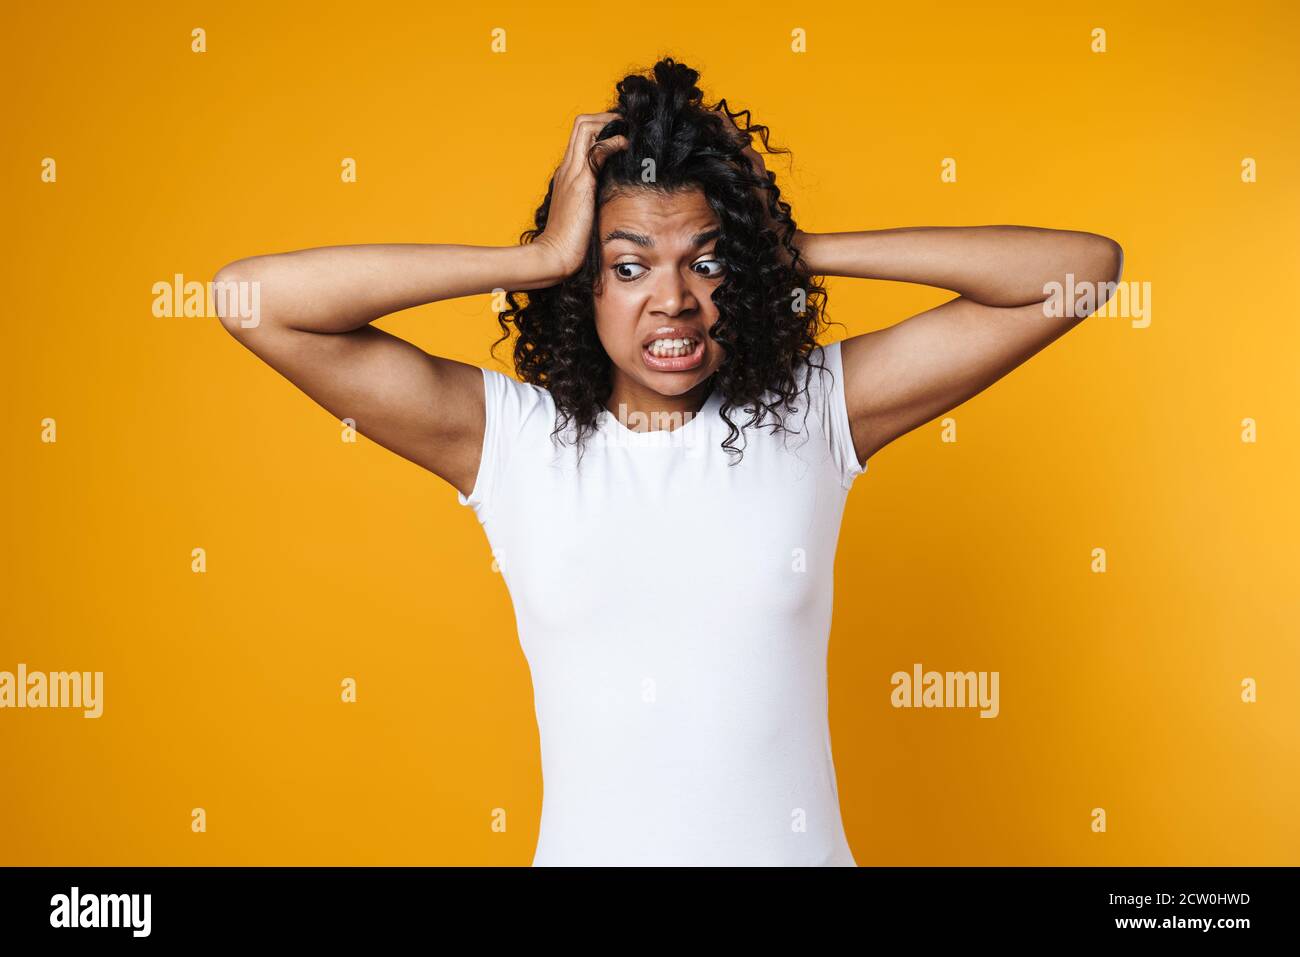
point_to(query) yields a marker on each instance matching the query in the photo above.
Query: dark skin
(666, 284)
(318, 306)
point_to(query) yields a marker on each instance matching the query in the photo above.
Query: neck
(644, 410)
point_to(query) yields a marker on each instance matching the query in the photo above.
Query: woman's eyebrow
(644, 241)
(699, 239)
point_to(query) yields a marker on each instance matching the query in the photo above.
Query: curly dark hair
(765, 339)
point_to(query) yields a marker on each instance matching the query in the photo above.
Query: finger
(586, 121)
(724, 114)
(603, 149)
(592, 131)
(585, 128)
(743, 140)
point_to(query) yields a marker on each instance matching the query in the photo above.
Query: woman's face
(654, 298)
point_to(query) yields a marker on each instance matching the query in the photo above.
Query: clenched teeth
(669, 348)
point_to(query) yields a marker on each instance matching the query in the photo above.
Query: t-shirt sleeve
(829, 386)
(509, 405)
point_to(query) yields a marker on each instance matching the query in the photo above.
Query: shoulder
(514, 401)
(516, 414)
(821, 376)
(818, 377)
(823, 369)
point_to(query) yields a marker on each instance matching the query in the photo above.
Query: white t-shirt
(675, 612)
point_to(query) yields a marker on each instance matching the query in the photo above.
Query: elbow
(1107, 263)
(1115, 260)
(237, 296)
(1097, 268)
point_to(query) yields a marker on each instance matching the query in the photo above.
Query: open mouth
(673, 354)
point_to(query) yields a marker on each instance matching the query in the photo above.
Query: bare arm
(316, 306)
(313, 327)
(902, 376)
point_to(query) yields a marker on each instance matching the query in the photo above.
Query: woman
(663, 489)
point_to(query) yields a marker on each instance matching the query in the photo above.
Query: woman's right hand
(572, 212)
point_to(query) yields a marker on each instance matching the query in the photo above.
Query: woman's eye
(629, 270)
(621, 275)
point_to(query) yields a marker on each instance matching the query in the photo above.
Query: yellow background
(328, 560)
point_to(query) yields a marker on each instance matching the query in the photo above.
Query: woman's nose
(673, 293)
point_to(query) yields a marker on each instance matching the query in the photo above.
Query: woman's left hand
(755, 160)
(760, 170)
